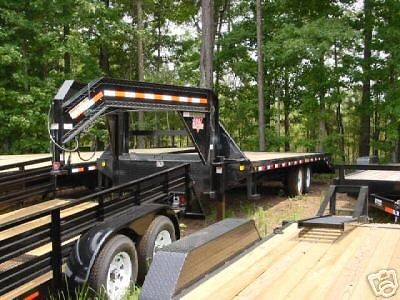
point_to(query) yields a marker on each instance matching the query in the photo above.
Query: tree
(260, 78)
(365, 110)
(207, 43)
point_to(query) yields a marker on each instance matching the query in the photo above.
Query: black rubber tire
(293, 187)
(145, 246)
(306, 186)
(98, 274)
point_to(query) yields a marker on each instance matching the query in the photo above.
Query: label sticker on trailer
(197, 124)
(190, 114)
(378, 202)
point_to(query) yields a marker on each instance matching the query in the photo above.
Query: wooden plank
(377, 175)
(41, 221)
(7, 217)
(318, 281)
(28, 286)
(324, 266)
(276, 284)
(259, 156)
(378, 261)
(226, 284)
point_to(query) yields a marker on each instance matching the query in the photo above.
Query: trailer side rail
(44, 247)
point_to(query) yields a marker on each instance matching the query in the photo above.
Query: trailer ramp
(331, 220)
(324, 263)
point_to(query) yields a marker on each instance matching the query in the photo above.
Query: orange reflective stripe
(98, 96)
(32, 296)
(140, 95)
(119, 94)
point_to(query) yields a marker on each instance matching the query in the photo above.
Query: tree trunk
(207, 43)
(140, 63)
(218, 66)
(260, 78)
(365, 125)
(339, 117)
(67, 55)
(103, 55)
(286, 109)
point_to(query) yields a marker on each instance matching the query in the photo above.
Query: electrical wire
(52, 139)
(94, 151)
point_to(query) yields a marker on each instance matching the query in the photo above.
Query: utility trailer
(328, 256)
(102, 238)
(217, 162)
(100, 221)
(383, 183)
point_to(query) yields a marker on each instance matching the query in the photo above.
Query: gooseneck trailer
(100, 221)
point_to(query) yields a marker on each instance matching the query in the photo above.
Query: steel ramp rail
(332, 220)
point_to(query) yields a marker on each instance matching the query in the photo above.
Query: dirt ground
(274, 206)
(269, 211)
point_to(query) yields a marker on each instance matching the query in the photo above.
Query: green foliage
(312, 55)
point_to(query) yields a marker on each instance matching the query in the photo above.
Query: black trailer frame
(384, 194)
(118, 208)
(77, 106)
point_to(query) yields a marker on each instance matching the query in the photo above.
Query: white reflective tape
(276, 165)
(183, 99)
(55, 126)
(91, 168)
(269, 167)
(109, 93)
(130, 94)
(283, 164)
(84, 105)
(195, 100)
(166, 97)
(149, 96)
(75, 170)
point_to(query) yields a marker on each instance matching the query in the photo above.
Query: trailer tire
(295, 182)
(115, 268)
(306, 179)
(161, 232)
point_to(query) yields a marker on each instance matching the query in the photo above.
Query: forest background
(330, 70)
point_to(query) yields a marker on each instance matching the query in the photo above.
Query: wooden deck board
(41, 221)
(259, 156)
(309, 266)
(252, 156)
(27, 286)
(377, 175)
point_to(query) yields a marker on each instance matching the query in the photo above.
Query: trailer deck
(261, 161)
(307, 264)
(375, 175)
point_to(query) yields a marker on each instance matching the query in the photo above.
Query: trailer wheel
(160, 233)
(115, 268)
(295, 182)
(306, 179)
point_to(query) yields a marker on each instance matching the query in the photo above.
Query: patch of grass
(132, 294)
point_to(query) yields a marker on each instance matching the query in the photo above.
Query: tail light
(56, 165)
